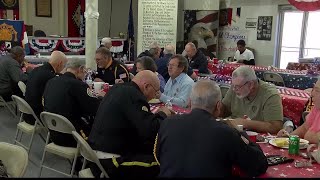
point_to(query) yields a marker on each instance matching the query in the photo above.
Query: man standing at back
(197, 145)
(38, 79)
(11, 73)
(124, 125)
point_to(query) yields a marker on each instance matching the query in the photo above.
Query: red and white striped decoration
(306, 5)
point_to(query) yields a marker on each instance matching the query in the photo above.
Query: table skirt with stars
(292, 78)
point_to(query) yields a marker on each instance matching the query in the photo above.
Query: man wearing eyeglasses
(124, 125)
(254, 98)
(178, 88)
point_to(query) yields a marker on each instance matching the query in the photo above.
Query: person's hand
(102, 93)
(167, 111)
(29, 69)
(98, 80)
(117, 81)
(282, 133)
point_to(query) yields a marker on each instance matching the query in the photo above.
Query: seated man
(254, 98)
(197, 60)
(125, 125)
(196, 145)
(162, 63)
(67, 95)
(37, 81)
(109, 70)
(11, 73)
(309, 130)
(244, 55)
(178, 87)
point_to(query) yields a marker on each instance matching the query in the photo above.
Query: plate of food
(284, 143)
(154, 101)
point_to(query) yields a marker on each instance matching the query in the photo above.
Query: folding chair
(61, 124)
(24, 127)
(89, 154)
(22, 87)
(274, 78)
(11, 106)
(14, 158)
(224, 89)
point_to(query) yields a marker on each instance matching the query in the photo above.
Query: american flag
(203, 27)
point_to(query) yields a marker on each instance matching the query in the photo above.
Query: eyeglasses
(172, 65)
(237, 88)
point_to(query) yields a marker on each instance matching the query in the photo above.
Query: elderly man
(254, 98)
(196, 145)
(38, 79)
(244, 55)
(11, 73)
(197, 60)
(162, 63)
(178, 87)
(106, 42)
(109, 70)
(124, 125)
(68, 96)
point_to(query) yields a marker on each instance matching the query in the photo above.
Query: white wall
(50, 25)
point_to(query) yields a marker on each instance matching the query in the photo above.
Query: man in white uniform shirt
(244, 55)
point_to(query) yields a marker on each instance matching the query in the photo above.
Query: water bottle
(169, 104)
(89, 80)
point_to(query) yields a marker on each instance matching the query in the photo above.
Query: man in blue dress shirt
(178, 87)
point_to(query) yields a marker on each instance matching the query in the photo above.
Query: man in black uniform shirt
(197, 60)
(67, 95)
(197, 145)
(109, 70)
(37, 81)
(125, 125)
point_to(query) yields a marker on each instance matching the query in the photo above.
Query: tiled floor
(8, 126)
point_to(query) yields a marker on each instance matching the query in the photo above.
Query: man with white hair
(70, 97)
(38, 79)
(254, 98)
(197, 60)
(106, 42)
(197, 145)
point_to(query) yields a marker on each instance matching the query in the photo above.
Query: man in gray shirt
(11, 73)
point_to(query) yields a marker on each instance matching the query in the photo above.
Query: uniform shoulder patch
(144, 108)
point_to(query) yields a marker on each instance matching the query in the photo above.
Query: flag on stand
(76, 18)
(131, 34)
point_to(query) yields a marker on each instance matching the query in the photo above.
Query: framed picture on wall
(44, 8)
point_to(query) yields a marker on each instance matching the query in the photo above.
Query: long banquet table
(286, 170)
(292, 78)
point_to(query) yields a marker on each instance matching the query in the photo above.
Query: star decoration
(283, 175)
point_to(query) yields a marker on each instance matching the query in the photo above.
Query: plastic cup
(106, 87)
(97, 86)
(252, 136)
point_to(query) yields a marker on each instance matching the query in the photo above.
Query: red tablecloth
(288, 170)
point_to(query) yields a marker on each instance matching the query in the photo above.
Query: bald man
(197, 60)
(38, 79)
(124, 125)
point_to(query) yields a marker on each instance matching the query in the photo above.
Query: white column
(92, 15)
(62, 17)
(23, 11)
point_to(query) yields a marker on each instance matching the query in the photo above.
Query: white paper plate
(303, 143)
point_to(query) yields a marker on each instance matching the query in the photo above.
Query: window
(299, 36)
